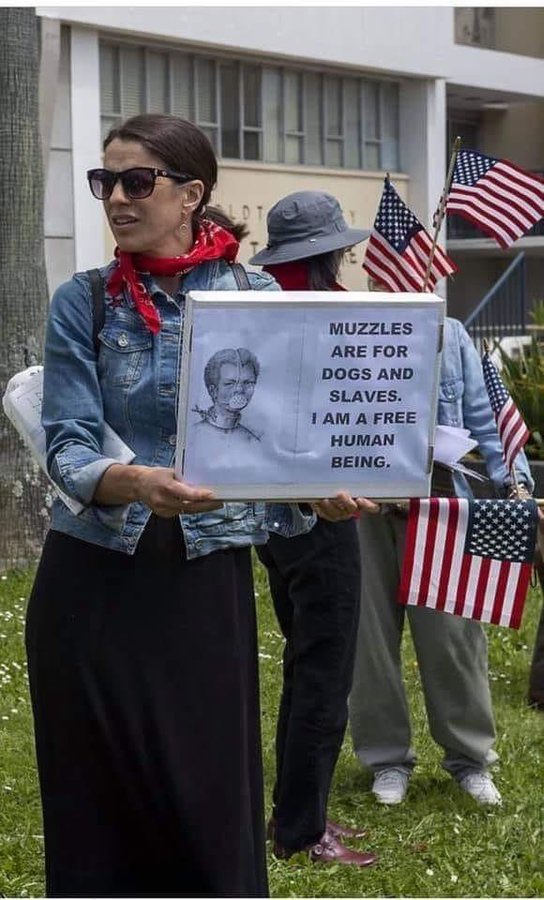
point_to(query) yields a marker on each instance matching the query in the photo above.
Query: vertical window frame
(202, 123)
(299, 134)
(250, 129)
(334, 138)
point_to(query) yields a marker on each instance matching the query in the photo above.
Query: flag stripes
(399, 248)
(440, 573)
(513, 431)
(497, 196)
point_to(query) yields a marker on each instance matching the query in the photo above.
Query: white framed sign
(297, 395)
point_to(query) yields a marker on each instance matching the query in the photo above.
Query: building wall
(523, 34)
(516, 133)
(511, 29)
(374, 40)
(410, 41)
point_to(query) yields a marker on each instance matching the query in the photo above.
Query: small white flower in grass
(454, 878)
(17, 489)
(3, 577)
(429, 872)
(265, 656)
(8, 787)
(5, 718)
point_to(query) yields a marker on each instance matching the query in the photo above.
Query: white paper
(22, 403)
(451, 444)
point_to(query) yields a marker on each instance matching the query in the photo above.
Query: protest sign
(302, 394)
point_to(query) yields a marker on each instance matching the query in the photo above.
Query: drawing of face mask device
(230, 377)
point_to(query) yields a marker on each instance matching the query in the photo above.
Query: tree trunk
(24, 495)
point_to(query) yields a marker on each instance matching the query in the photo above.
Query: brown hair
(178, 143)
(323, 269)
(238, 229)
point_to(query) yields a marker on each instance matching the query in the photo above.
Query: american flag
(471, 558)
(497, 196)
(399, 248)
(513, 431)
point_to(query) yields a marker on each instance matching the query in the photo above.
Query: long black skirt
(144, 684)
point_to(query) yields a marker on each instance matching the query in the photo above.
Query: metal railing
(502, 312)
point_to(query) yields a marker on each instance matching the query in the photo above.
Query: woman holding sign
(141, 627)
(314, 581)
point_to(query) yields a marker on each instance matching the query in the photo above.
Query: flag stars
(500, 530)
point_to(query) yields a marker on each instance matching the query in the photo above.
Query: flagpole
(442, 208)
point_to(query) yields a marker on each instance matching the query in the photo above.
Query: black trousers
(314, 582)
(144, 684)
(536, 673)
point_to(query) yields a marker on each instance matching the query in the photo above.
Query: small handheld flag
(498, 197)
(471, 558)
(512, 429)
(399, 248)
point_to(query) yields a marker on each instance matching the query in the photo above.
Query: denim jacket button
(122, 340)
(172, 440)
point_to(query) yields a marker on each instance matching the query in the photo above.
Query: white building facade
(293, 99)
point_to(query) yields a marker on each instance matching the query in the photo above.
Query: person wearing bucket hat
(314, 583)
(304, 225)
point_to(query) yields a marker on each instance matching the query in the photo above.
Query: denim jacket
(132, 385)
(463, 402)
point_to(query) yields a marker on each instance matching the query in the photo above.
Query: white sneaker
(480, 786)
(390, 786)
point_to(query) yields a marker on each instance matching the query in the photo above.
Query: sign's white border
(244, 300)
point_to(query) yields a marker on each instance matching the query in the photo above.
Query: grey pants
(452, 657)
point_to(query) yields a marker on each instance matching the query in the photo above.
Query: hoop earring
(182, 227)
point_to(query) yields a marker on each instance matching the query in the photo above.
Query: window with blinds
(267, 113)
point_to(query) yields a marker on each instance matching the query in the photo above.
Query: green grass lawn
(438, 843)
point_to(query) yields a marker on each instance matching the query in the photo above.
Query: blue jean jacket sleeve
(72, 413)
(479, 419)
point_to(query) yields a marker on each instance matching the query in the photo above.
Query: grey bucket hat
(306, 224)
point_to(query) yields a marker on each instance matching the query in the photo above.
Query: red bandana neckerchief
(212, 242)
(293, 276)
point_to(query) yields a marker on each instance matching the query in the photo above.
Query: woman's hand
(166, 496)
(157, 487)
(342, 507)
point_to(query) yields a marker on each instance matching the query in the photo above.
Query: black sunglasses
(138, 183)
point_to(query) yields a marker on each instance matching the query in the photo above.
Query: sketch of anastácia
(230, 377)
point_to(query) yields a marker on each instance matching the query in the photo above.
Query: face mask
(237, 401)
